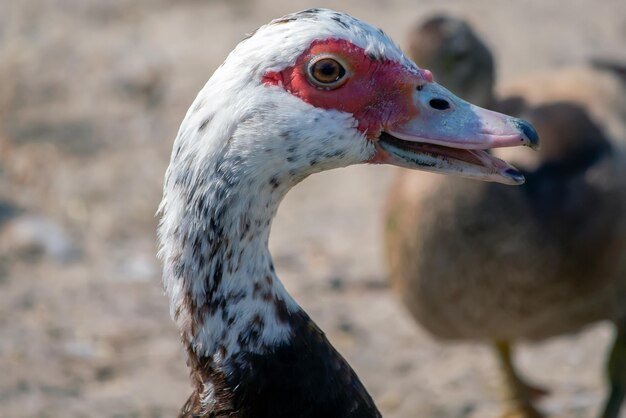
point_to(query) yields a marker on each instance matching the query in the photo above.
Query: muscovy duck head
(319, 89)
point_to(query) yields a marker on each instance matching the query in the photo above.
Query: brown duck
(482, 262)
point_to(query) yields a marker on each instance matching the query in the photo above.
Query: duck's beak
(449, 135)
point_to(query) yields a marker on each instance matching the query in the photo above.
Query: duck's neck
(224, 294)
(230, 168)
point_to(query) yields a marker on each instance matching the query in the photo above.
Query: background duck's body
(476, 261)
(560, 241)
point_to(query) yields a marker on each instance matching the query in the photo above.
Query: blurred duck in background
(484, 262)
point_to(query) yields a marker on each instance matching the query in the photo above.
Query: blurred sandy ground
(91, 95)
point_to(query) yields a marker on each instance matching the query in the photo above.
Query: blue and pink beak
(449, 135)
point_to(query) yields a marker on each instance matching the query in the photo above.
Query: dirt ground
(91, 95)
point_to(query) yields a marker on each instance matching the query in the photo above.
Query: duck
(473, 261)
(311, 91)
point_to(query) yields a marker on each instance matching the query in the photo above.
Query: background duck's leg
(521, 394)
(616, 371)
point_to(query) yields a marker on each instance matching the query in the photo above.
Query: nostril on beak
(439, 104)
(528, 131)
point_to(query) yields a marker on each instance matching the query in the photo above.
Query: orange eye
(326, 73)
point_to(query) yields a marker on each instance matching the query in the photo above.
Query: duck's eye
(327, 73)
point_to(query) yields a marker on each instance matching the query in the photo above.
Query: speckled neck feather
(253, 352)
(242, 145)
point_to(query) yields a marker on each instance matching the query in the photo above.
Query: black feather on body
(304, 378)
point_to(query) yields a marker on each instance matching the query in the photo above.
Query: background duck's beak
(450, 135)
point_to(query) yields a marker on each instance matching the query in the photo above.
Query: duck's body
(480, 262)
(304, 377)
(309, 92)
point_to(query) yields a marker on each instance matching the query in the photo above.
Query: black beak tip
(515, 176)
(528, 131)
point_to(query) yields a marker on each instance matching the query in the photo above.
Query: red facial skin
(378, 93)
